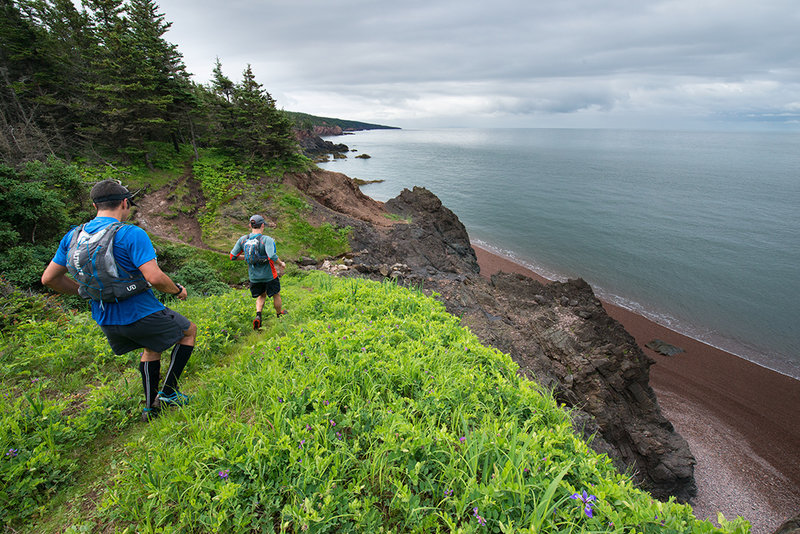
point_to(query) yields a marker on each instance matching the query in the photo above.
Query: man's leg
(180, 356)
(278, 304)
(261, 300)
(150, 369)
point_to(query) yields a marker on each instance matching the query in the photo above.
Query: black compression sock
(151, 376)
(180, 355)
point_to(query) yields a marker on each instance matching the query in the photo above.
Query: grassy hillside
(368, 409)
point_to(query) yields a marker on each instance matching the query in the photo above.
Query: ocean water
(698, 231)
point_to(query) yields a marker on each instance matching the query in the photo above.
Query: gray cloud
(518, 63)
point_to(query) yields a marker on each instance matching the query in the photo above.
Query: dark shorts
(271, 288)
(157, 332)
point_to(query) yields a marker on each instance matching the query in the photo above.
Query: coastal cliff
(558, 333)
(312, 144)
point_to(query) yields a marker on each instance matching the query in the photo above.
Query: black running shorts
(271, 288)
(157, 332)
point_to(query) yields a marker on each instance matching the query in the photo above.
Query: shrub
(200, 277)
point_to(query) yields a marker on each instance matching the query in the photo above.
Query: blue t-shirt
(261, 272)
(132, 248)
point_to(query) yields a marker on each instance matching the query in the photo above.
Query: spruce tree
(24, 66)
(262, 131)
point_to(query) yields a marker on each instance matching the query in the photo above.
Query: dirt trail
(171, 212)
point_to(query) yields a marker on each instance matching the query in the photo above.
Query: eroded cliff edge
(558, 333)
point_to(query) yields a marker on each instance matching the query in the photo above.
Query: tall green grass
(367, 409)
(64, 390)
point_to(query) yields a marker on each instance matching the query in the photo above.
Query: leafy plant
(373, 409)
(221, 181)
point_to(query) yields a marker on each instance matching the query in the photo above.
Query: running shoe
(148, 414)
(282, 313)
(256, 323)
(176, 399)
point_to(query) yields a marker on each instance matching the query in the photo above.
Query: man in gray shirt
(258, 250)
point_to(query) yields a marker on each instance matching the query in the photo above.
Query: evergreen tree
(216, 102)
(70, 38)
(140, 83)
(23, 64)
(105, 79)
(262, 131)
(221, 84)
(165, 71)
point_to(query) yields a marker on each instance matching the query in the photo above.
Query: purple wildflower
(448, 493)
(333, 423)
(302, 442)
(308, 428)
(587, 500)
(481, 520)
(224, 474)
(462, 439)
(12, 452)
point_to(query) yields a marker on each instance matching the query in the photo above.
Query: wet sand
(741, 420)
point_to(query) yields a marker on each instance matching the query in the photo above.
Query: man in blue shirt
(139, 321)
(261, 259)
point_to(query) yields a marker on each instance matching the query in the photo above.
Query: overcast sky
(710, 64)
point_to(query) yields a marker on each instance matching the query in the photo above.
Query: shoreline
(741, 420)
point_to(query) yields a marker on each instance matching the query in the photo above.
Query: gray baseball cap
(256, 220)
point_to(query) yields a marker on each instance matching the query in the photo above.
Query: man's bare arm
(159, 279)
(55, 277)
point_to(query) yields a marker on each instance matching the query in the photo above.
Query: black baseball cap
(110, 190)
(256, 220)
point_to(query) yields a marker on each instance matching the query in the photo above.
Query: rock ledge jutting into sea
(558, 333)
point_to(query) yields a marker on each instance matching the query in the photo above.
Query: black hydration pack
(90, 261)
(252, 250)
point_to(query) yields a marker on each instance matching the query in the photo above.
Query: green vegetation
(39, 202)
(102, 82)
(65, 393)
(304, 121)
(368, 409)
(301, 237)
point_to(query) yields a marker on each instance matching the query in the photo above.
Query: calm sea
(698, 231)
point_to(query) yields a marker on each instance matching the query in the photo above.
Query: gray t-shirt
(260, 272)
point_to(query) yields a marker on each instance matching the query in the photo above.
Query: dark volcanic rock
(792, 526)
(558, 333)
(437, 238)
(312, 144)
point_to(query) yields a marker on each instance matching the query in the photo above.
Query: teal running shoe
(175, 399)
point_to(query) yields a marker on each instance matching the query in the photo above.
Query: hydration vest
(90, 261)
(252, 251)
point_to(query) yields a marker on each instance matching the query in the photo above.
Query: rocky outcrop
(312, 144)
(326, 129)
(340, 195)
(791, 526)
(558, 333)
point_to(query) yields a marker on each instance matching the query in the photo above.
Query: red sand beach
(742, 421)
